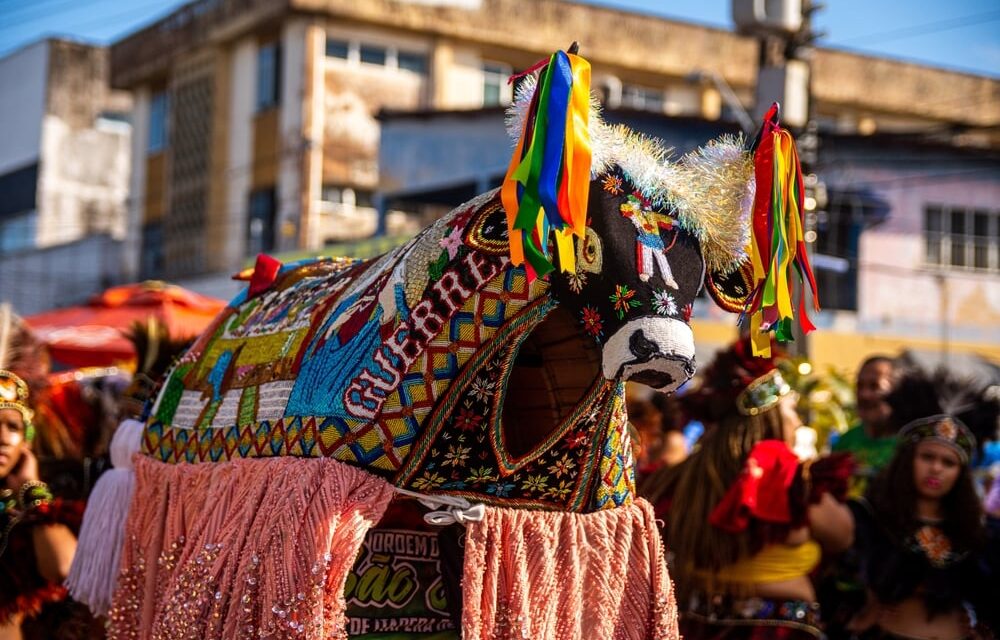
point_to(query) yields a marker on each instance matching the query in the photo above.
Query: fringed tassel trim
(247, 548)
(539, 574)
(92, 576)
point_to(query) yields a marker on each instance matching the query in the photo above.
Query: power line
(923, 29)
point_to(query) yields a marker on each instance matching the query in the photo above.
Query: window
(496, 91)
(363, 198)
(838, 239)
(962, 238)
(838, 234)
(331, 194)
(337, 49)
(410, 61)
(261, 222)
(268, 76)
(152, 258)
(388, 57)
(347, 196)
(373, 54)
(159, 115)
(18, 232)
(642, 98)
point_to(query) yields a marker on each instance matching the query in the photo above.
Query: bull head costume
(480, 369)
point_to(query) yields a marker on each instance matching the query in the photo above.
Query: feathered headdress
(946, 408)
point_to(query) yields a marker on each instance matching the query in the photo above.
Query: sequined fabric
(242, 549)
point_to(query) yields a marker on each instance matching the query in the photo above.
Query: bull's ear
(730, 291)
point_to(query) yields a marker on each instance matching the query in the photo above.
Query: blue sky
(959, 34)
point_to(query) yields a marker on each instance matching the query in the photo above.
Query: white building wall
(898, 291)
(240, 151)
(83, 181)
(462, 82)
(22, 105)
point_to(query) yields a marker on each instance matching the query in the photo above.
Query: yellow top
(774, 563)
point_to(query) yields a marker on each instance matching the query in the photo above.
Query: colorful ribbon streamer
(777, 239)
(547, 184)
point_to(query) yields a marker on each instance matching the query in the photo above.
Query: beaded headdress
(736, 379)
(762, 394)
(954, 411)
(942, 429)
(14, 395)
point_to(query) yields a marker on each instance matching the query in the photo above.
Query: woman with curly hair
(745, 522)
(920, 528)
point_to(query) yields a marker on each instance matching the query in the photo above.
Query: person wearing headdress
(927, 560)
(745, 521)
(36, 540)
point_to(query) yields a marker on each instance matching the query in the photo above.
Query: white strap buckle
(456, 509)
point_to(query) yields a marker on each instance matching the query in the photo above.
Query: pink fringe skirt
(531, 574)
(261, 548)
(256, 548)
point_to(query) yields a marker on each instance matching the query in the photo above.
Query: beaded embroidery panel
(461, 451)
(341, 358)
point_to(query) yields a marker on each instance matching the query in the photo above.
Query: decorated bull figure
(436, 441)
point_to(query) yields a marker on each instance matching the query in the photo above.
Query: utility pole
(783, 29)
(942, 282)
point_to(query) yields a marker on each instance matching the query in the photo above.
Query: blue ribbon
(560, 84)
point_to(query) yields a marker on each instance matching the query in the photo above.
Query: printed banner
(396, 591)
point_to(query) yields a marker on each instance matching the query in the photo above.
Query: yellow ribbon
(782, 160)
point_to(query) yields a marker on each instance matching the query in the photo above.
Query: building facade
(258, 127)
(64, 162)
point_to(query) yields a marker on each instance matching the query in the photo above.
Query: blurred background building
(64, 167)
(295, 126)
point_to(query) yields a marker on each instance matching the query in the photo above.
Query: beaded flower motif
(593, 324)
(663, 303)
(623, 300)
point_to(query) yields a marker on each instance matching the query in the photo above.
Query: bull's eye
(589, 256)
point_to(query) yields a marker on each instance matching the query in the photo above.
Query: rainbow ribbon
(777, 239)
(547, 184)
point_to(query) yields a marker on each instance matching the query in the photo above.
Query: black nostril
(641, 347)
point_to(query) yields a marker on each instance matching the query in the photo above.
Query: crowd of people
(888, 535)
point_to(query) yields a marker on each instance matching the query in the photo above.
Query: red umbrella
(92, 334)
